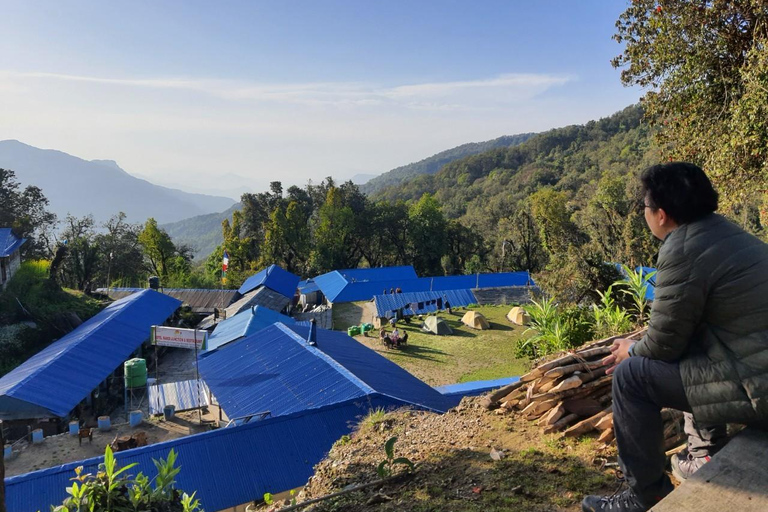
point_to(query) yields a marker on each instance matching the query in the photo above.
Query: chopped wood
(568, 369)
(509, 405)
(670, 415)
(674, 441)
(572, 358)
(504, 391)
(553, 415)
(532, 375)
(585, 388)
(583, 406)
(536, 409)
(606, 423)
(543, 384)
(586, 425)
(560, 424)
(606, 436)
(569, 383)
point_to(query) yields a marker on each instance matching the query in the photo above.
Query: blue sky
(231, 95)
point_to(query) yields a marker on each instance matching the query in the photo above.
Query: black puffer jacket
(711, 313)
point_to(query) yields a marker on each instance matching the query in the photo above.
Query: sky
(226, 96)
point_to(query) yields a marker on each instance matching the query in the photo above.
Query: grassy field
(465, 356)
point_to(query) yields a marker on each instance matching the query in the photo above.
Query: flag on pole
(224, 266)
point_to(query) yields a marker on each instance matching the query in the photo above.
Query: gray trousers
(641, 388)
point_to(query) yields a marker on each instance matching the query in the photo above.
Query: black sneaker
(625, 501)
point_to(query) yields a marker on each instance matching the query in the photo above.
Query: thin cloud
(469, 94)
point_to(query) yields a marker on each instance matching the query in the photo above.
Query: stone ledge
(735, 479)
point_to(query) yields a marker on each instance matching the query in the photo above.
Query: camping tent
(475, 320)
(436, 325)
(517, 315)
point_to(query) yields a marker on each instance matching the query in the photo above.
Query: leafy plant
(112, 489)
(268, 498)
(636, 286)
(375, 417)
(610, 318)
(555, 329)
(387, 466)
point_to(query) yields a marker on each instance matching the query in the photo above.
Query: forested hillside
(433, 164)
(202, 234)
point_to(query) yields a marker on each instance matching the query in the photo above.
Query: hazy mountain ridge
(100, 187)
(435, 162)
(202, 233)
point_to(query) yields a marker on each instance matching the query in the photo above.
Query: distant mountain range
(100, 187)
(434, 163)
(201, 233)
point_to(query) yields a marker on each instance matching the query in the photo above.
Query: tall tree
(25, 211)
(163, 257)
(705, 66)
(83, 256)
(427, 235)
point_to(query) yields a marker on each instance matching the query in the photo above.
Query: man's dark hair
(681, 189)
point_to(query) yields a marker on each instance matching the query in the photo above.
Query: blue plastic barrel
(7, 451)
(135, 418)
(74, 428)
(37, 436)
(105, 424)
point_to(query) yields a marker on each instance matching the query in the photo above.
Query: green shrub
(555, 328)
(609, 317)
(112, 489)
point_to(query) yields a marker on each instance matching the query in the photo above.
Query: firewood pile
(572, 395)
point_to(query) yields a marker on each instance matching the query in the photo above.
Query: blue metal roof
(308, 286)
(274, 278)
(244, 324)
(387, 304)
(338, 289)
(226, 467)
(276, 370)
(55, 380)
(9, 242)
(353, 275)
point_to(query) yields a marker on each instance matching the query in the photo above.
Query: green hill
(202, 233)
(433, 164)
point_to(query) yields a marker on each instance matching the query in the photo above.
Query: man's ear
(664, 219)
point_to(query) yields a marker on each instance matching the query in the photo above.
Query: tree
(122, 259)
(83, 253)
(25, 212)
(428, 240)
(705, 66)
(170, 263)
(333, 235)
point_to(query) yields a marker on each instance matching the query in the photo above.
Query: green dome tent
(436, 325)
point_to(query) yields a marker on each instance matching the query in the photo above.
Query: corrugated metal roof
(61, 375)
(261, 296)
(375, 370)
(9, 242)
(274, 278)
(308, 286)
(244, 324)
(379, 273)
(199, 299)
(338, 289)
(276, 370)
(387, 304)
(226, 467)
(184, 395)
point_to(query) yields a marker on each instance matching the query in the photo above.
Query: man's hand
(619, 352)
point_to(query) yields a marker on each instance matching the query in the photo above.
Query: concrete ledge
(735, 479)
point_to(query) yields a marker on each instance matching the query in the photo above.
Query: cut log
(606, 423)
(536, 409)
(509, 405)
(504, 391)
(584, 407)
(569, 383)
(670, 415)
(568, 369)
(584, 388)
(553, 415)
(572, 358)
(560, 424)
(607, 436)
(532, 375)
(586, 425)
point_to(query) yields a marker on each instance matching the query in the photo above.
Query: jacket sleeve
(678, 306)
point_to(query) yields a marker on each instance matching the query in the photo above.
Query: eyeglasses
(642, 206)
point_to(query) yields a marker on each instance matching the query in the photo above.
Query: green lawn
(465, 356)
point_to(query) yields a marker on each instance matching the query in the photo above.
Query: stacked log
(572, 395)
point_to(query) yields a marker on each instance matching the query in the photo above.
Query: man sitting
(706, 349)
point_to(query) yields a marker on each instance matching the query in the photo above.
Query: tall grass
(609, 317)
(636, 286)
(555, 328)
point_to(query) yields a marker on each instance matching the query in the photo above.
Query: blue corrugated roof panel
(338, 289)
(275, 370)
(61, 375)
(401, 273)
(308, 286)
(9, 242)
(375, 370)
(244, 324)
(226, 467)
(387, 304)
(273, 277)
(455, 392)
